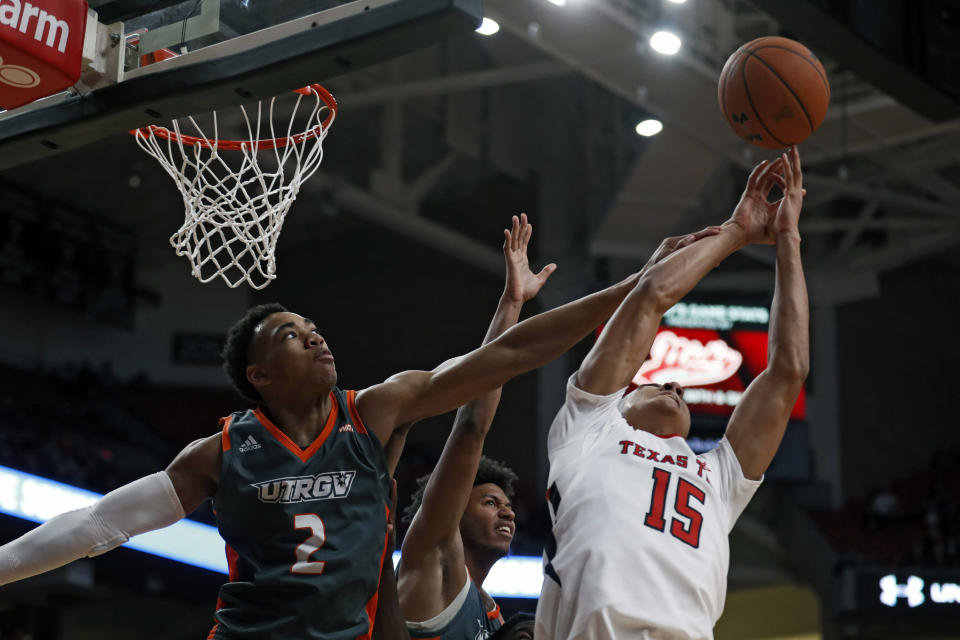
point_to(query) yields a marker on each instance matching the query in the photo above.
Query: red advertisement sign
(714, 351)
(41, 46)
(714, 366)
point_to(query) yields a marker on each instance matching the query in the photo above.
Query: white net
(236, 194)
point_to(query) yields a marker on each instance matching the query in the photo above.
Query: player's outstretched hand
(522, 284)
(675, 243)
(755, 213)
(787, 217)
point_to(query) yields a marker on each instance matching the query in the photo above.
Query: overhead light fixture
(665, 42)
(488, 27)
(559, 3)
(678, 1)
(649, 127)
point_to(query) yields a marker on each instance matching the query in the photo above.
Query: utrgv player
(462, 520)
(301, 483)
(640, 522)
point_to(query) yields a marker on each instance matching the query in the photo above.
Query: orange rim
(269, 143)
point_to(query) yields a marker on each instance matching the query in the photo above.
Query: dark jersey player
(462, 520)
(307, 527)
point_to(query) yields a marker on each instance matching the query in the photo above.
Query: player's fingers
(787, 171)
(506, 239)
(754, 175)
(766, 178)
(546, 272)
(686, 241)
(524, 225)
(797, 169)
(703, 233)
(525, 239)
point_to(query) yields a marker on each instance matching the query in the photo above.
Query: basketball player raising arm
(656, 566)
(438, 566)
(300, 483)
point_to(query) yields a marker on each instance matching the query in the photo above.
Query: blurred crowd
(913, 521)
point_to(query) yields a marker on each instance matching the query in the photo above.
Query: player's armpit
(393, 448)
(195, 472)
(760, 419)
(380, 405)
(622, 346)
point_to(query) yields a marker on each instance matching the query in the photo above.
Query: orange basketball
(773, 92)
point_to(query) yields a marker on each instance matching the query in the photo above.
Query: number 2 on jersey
(307, 548)
(689, 533)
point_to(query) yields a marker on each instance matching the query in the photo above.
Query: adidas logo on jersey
(248, 445)
(323, 486)
(347, 427)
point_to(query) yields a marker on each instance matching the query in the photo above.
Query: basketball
(773, 92)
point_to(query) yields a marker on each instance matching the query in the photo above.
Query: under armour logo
(891, 591)
(754, 136)
(739, 118)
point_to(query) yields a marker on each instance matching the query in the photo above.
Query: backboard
(227, 52)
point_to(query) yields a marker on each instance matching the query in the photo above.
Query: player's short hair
(236, 351)
(489, 471)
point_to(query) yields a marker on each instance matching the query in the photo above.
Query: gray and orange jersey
(471, 622)
(305, 528)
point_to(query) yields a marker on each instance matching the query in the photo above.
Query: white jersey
(639, 548)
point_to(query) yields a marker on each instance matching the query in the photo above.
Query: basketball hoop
(234, 207)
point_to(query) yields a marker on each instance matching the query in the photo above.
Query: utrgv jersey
(305, 529)
(471, 622)
(640, 528)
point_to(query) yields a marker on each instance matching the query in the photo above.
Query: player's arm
(676, 268)
(434, 528)
(760, 419)
(149, 503)
(413, 395)
(389, 623)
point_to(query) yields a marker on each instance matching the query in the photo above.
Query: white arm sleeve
(143, 505)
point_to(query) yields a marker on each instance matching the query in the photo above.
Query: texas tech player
(640, 522)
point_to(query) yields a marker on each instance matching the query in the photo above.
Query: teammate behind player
(300, 484)
(639, 546)
(462, 521)
(442, 568)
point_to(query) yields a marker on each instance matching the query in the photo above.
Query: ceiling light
(678, 1)
(665, 42)
(488, 27)
(649, 128)
(559, 3)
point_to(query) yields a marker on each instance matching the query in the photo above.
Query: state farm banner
(41, 46)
